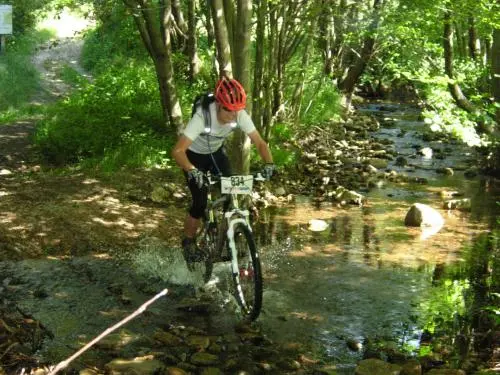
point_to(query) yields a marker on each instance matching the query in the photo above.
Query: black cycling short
(218, 164)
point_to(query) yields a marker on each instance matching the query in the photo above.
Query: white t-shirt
(204, 143)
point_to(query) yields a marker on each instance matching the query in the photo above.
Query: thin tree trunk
(454, 88)
(221, 39)
(348, 84)
(194, 61)
(257, 94)
(156, 38)
(474, 50)
(495, 72)
(181, 27)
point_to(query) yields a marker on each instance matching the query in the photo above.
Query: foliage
(18, 77)
(100, 117)
(114, 43)
(443, 116)
(321, 103)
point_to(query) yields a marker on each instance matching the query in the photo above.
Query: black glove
(268, 171)
(197, 176)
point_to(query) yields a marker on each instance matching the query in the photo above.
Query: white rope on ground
(140, 310)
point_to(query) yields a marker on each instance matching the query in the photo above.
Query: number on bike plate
(236, 185)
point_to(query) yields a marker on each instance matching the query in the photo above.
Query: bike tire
(207, 241)
(248, 278)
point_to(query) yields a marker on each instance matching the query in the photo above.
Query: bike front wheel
(207, 242)
(248, 277)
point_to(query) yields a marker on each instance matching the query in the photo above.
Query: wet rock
(211, 371)
(471, 173)
(88, 371)
(316, 225)
(198, 342)
(446, 372)
(348, 196)
(174, 371)
(280, 191)
(289, 364)
(426, 152)
(167, 338)
(116, 341)
(411, 367)
(376, 367)
(204, 359)
(460, 204)
(445, 171)
(354, 345)
(378, 163)
(423, 215)
(139, 366)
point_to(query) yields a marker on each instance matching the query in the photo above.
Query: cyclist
(200, 149)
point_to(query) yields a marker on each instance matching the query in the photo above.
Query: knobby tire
(248, 281)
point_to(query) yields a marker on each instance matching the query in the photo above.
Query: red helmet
(230, 94)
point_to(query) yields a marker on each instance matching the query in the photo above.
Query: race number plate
(236, 185)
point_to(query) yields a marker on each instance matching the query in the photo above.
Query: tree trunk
(156, 38)
(474, 51)
(495, 72)
(453, 87)
(242, 28)
(194, 61)
(348, 84)
(180, 29)
(257, 93)
(221, 39)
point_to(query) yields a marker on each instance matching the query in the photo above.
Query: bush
(96, 118)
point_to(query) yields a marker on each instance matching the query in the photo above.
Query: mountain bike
(226, 235)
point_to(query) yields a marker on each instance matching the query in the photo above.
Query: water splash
(155, 259)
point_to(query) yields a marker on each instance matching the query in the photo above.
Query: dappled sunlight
(7, 217)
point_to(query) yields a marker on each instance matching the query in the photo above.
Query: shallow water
(368, 276)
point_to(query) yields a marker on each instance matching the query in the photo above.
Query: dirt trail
(44, 211)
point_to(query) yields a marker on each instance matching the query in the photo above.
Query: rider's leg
(191, 226)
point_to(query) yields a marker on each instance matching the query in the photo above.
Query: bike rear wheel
(248, 277)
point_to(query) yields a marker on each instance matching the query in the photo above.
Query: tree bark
(242, 28)
(257, 94)
(221, 39)
(474, 51)
(495, 72)
(156, 38)
(348, 84)
(194, 61)
(453, 87)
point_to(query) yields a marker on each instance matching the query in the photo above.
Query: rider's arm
(179, 153)
(261, 146)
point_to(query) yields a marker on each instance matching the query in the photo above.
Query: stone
(411, 367)
(175, 371)
(204, 359)
(459, 204)
(316, 225)
(423, 215)
(198, 342)
(446, 371)
(374, 366)
(139, 366)
(167, 338)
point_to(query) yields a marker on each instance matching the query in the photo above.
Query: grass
(19, 80)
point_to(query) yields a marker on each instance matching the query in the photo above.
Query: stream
(366, 277)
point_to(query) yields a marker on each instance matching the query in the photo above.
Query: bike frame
(232, 216)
